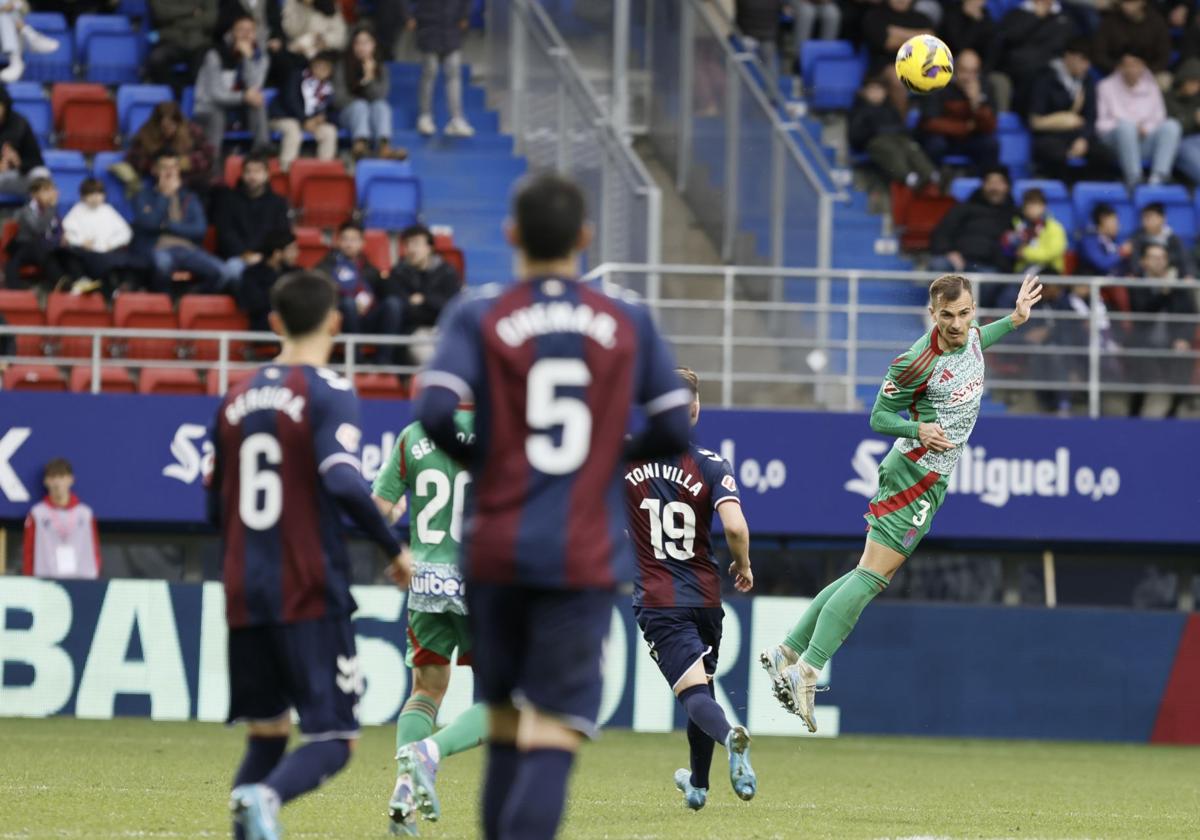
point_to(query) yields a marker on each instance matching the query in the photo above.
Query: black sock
(535, 805)
(701, 748)
(308, 768)
(262, 754)
(705, 712)
(498, 778)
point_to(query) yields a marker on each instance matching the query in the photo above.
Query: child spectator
(960, 119)
(313, 26)
(168, 130)
(877, 129)
(1132, 120)
(61, 540)
(1062, 114)
(360, 85)
(1101, 254)
(1037, 243)
(229, 88)
(1183, 105)
(39, 239)
(440, 25)
(20, 154)
(169, 226)
(306, 104)
(1156, 231)
(425, 282)
(248, 212)
(279, 255)
(98, 237)
(364, 306)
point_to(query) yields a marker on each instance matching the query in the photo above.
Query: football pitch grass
(64, 778)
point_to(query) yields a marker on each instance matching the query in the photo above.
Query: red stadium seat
(380, 386)
(85, 117)
(67, 310)
(34, 378)
(326, 200)
(456, 258)
(7, 234)
(305, 168)
(20, 309)
(113, 380)
(212, 312)
(235, 376)
(312, 247)
(144, 311)
(175, 381)
(65, 92)
(917, 214)
(378, 249)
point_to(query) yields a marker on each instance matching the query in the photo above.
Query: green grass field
(65, 778)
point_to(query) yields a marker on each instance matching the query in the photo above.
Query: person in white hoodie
(98, 237)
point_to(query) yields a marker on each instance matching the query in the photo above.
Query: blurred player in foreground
(555, 368)
(437, 614)
(677, 593)
(939, 380)
(285, 467)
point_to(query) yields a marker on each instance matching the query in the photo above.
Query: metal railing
(559, 123)
(772, 338)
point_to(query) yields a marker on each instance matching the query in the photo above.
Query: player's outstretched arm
(1029, 297)
(737, 537)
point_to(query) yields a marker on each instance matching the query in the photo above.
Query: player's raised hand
(401, 568)
(933, 438)
(743, 576)
(1029, 297)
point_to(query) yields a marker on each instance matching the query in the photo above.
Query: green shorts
(902, 511)
(432, 638)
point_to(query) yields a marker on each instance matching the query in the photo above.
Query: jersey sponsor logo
(193, 454)
(349, 436)
(967, 392)
(667, 472)
(429, 582)
(729, 484)
(545, 318)
(266, 398)
(890, 388)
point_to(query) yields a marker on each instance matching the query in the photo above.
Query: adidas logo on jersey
(946, 375)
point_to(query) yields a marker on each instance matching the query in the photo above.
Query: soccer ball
(924, 64)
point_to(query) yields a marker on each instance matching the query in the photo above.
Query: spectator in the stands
(440, 25)
(360, 85)
(759, 22)
(306, 103)
(1027, 38)
(229, 89)
(17, 37)
(425, 282)
(1160, 294)
(874, 127)
(1183, 105)
(39, 239)
(967, 25)
(169, 226)
(390, 17)
(279, 253)
(247, 213)
(960, 118)
(1101, 253)
(1062, 115)
(185, 33)
(822, 16)
(968, 237)
(98, 237)
(267, 19)
(61, 540)
(168, 130)
(363, 303)
(1155, 231)
(1131, 118)
(1037, 242)
(885, 27)
(314, 26)
(1133, 26)
(20, 154)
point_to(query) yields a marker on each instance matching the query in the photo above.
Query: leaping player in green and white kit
(437, 619)
(939, 381)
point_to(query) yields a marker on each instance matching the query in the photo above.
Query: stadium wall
(137, 647)
(138, 460)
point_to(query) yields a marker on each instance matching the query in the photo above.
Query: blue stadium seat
(368, 170)
(1062, 210)
(29, 100)
(112, 185)
(961, 188)
(1015, 150)
(1008, 121)
(391, 202)
(57, 66)
(187, 101)
(1087, 194)
(136, 9)
(1181, 214)
(88, 25)
(113, 58)
(1053, 190)
(134, 104)
(812, 51)
(68, 169)
(835, 83)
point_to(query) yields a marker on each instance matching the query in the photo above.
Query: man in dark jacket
(424, 281)
(885, 28)
(185, 32)
(968, 237)
(279, 255)
(1133, 26)
(20, 154)
(960, 119)
(1027, 39)
(1160, 294)
(1155, 231)
(1062, 114)
(363, 301)
(246, 214)
(168, 228)
(440, 25)
(229, 88)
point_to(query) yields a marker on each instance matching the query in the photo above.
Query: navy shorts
(679, 637)
(543, 647)
(309, 666)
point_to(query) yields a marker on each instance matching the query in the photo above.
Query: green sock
(416, 720)
(840, 615)
(464, 732)
(801, 634)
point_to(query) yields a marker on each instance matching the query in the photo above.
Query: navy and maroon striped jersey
(283, 548)
(555, 367)
(670, 504)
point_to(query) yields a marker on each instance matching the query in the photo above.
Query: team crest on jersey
(909, 537)
(349, 436)
(729, 484)
(890, 388)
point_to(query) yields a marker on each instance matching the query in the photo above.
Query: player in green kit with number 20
(939, 381)
(437, 620)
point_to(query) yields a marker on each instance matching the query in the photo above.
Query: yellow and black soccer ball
(924, 64)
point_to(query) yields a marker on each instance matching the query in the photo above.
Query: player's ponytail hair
(948, 287)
